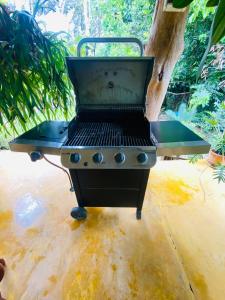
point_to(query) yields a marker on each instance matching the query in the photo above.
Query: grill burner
(107, 134)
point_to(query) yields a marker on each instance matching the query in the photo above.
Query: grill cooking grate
(107, 134)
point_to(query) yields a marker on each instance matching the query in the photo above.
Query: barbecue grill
(109, 147)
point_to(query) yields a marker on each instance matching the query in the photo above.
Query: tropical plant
(219, 147)
(32, 70)
(214, 124)
(195, 40)
(183, 113)
(219, 173)
(200, 97)
(217, 31)
(210, 88)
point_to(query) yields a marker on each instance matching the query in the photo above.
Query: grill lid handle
(109, 40)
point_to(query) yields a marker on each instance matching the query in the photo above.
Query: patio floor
(177, 250)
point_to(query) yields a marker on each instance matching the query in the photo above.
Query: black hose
(64, 170)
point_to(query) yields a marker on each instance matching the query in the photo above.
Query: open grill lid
(108, 82)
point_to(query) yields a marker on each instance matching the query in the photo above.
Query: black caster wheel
(79, 213)
(138, 214)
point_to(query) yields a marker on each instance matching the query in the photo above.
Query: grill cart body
(109, 147)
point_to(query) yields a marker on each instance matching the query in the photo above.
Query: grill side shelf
(173, 138)
(47, 138)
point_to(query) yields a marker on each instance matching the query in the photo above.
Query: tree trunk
(166, 43)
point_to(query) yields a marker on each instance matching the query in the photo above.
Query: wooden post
(166, 43)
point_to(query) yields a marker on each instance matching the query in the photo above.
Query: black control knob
(119, 158)
(97, 158)
(142, 158)
(75, 158)
(34, 156)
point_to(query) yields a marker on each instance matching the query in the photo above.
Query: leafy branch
(217, 31)
(32, 70)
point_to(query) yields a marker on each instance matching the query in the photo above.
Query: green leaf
(212, 3)
(195, 158)
(218, 30)
(219, 173)
(181, 3)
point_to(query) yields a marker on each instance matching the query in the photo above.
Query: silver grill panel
(108, 157)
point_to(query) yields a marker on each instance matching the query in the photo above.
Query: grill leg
(79, 213)
(138, 214)
(142, 194)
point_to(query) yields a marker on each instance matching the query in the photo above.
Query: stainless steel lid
(105, 82)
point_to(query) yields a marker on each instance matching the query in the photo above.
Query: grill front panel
(115, 143)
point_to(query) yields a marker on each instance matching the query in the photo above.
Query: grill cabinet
(109, 146)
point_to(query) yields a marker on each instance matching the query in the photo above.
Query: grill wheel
(79, 213)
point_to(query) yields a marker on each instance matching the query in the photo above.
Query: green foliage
(32, 70)
(125, 18)
(218, 29)
(212, 3)
(212, 81)
(219, 146)
(213, 125)
(216, 118)
(200, 97)
(198, 3)
(219, 173)
(198, 8)
(110, 17)
(195, 158)
(195, 40)
(183, 114)
(217, 32)
(181, 3)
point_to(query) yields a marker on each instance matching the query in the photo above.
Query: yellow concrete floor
(177, 250)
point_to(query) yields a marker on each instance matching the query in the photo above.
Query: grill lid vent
(105, 82)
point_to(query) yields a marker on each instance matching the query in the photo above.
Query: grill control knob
(97, 158)
(142, 158)
(75, 158)
(120, 158)
(34, 156)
